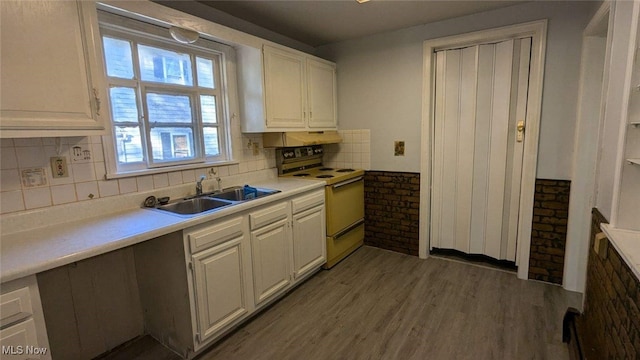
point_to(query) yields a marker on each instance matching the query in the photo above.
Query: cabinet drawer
(19, 338)
(307, 201)
(268, 215)
(215, 234)
(15, 305)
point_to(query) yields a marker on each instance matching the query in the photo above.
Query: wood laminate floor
(378, 304)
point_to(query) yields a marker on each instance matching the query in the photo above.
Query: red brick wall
(609, 327)
(391, 208)
(549, 230)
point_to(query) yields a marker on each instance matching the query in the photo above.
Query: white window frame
(116, 26)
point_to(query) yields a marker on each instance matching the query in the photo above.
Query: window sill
(168, 169)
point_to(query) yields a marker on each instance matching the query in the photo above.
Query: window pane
(208, 104)
(118, 59)
(164, 66)
(129, 144)
(124, 106)
(211, 144)
(172, 143)
(169, 108)
(205, 73)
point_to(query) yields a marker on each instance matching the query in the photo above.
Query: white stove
(344, 194)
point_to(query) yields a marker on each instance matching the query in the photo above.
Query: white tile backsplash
(86, 178)
(175, 178)
(108, 188)
(160, 181)
(188, 176)
(8, 159)
(11, 201)
(128, 185)
(87, 190)
(63, 194)
(37, 198)
(353, 152)
(27, 142)
(30, 156)
(145, 183)
(10, 180)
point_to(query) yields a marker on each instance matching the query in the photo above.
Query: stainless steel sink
(237, 194)
(194, 206)
(213, 201)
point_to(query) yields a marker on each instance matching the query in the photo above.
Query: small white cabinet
(284, 89)
(270, 250)
(51, 66)
(23, 334)
(298, 91)
(219, 275)
(309, 244)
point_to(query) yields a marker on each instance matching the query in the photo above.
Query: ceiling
(320, 22)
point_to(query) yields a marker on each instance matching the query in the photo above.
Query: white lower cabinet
(309, 248)
(23, 334)
(219, 270)
(226, 269)
(219, 278)
(270, 251)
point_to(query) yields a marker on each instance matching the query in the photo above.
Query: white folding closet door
(480, 92)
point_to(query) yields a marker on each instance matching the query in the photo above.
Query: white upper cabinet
(284, 89)
(51, 66)
(298, 92)
(321, 94)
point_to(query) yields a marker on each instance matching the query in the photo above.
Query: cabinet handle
(97, 99)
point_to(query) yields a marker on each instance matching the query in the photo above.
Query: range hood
(300, 138)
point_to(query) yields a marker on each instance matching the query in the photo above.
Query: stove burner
(325, 169)
(345, 170)
(324, 176)
(302, 174)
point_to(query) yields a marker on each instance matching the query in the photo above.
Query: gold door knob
(520, 128)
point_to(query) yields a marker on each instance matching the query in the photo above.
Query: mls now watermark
(23, 350)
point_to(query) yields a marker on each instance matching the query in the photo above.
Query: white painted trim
(590, 109)
(631, 27)
(538, 31)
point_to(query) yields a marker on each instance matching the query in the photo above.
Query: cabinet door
(21, 341)
(219, 284)
(48, 86)
(270, 254)
(321, 80)
(284, 89)
(309, 241)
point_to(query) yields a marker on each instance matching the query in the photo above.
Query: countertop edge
(627, 243)
(173, 222)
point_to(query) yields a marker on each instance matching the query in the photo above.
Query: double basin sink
(215, 200)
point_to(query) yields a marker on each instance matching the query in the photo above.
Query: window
(167, 100)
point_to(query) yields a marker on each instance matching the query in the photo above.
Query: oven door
(345, 204)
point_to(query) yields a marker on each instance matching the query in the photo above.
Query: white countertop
(627, 243)
(24, 253)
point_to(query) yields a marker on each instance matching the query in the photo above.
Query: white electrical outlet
(59, 167)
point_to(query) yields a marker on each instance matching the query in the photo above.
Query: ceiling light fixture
(362, 1)
(183, 35)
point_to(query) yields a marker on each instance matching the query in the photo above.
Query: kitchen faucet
(199, 185)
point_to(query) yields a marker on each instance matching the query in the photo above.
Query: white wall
(380, 82)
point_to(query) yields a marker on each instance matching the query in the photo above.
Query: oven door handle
(342, 232)
(347, 182)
